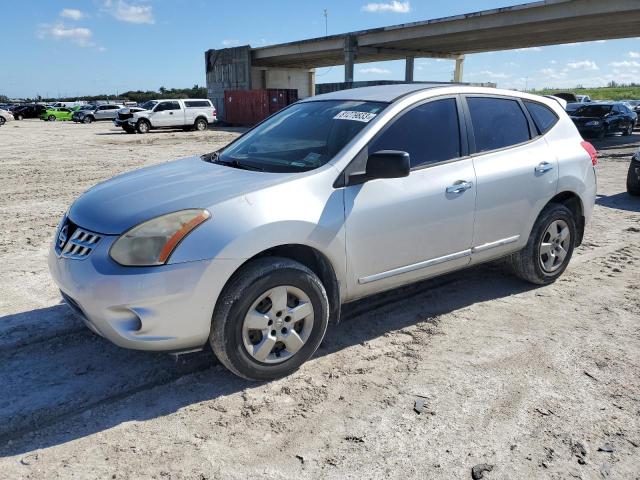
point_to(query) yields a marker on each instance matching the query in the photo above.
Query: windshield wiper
(215, 158)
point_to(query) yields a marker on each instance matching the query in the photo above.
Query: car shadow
(612, 142)
(619, 201)
(173, 130)
(83, 392)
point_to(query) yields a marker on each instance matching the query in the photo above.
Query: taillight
(591, 150)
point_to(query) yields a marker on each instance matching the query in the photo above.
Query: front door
(403, 229)
(167, 114)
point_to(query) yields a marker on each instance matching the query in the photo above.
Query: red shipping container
(248, 107)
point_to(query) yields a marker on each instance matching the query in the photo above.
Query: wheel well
(201, 117)
(318, 263)
(574, 204)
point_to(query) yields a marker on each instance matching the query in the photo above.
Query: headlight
(592, 123)
(153, 242)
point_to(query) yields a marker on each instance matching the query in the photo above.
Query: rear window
(497, 123)
(543, 117)
(197, 103)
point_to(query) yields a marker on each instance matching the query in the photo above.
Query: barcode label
(365, 117)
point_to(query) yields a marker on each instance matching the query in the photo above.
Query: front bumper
(166, 308)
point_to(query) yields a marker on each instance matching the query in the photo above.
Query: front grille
(75, 242)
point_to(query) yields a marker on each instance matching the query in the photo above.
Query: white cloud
(489, 74)
(625, 64)
(583, 65)
(529, 49)
(374, 71)
(72, 14)
(79, 35)
(230, 42)
(634, 54)
(394, 6)
(130, 13)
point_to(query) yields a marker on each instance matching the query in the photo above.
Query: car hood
(114, 206)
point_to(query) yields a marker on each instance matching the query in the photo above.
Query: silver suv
(254, 248)
(88, 114)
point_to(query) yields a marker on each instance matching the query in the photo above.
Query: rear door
(517, 172)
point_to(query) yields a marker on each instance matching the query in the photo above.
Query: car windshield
(593, 111)
(301, 137)
(149, 104)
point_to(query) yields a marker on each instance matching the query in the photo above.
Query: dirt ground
(536, 382)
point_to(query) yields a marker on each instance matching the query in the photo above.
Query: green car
(52, 114)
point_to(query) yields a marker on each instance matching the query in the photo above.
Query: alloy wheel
(278, 324)
(554, 246)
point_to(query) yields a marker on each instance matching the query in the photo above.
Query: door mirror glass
(388, 164)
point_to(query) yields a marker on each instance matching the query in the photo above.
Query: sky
(66, 48)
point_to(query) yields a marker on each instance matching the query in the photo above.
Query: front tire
(269, 319)
(52, 118)
(549, 249)
(19, 117)
(129, 129)
(87, 119)
(2, 121)
(633, 179)
(143, 126)
(628, 131)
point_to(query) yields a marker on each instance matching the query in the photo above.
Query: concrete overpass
(535, 24)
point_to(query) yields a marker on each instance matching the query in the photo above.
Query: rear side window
(497, 123)
(543, 117)
(197, 103)
(430, 133)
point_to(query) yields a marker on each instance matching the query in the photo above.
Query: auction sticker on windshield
(365, 117)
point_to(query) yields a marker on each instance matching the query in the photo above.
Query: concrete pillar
(457, 76)
(408, 69)
(350, 50)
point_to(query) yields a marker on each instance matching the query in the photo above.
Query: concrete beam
(548, 22)
(350, 52)
(457, 75)
(408, 69)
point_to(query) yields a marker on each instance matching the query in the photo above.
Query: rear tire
(633, 180)
(143, 126)
(533, 263)
(52, 118)
(270, 290)
(200, 125)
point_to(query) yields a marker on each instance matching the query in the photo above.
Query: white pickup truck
(188, 114)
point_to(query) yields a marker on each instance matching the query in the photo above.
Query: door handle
(170, 113)
(544, 167)
(459, 187)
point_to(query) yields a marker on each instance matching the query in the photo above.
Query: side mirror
(388, 164)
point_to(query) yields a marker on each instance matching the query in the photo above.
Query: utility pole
(326, 22)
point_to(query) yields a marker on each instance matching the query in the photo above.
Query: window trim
(524, 102)
(358, 162)
(473, 151)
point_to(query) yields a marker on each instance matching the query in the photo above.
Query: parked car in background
(633, 175)
(192, 113)
(123, 116)
(29, 111)
(56, 113)
(572, 107)
(632, 104)
(5, 116)
(97, 113)
(604, 118)
(81, 111)
(68, 104)
(254, 247)
(583, 98)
